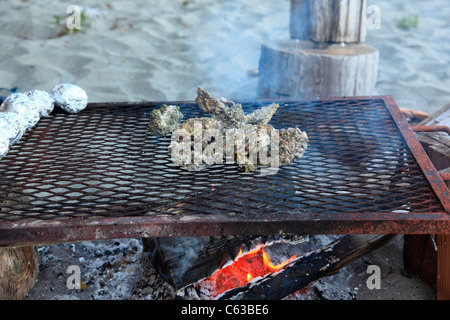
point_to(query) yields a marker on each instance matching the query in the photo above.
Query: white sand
(162, 50)
(139, 50)
(414, 65)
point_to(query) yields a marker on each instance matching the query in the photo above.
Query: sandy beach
(153, 50)
(147, 50)
(140, 50)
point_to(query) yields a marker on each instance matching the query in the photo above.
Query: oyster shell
(165, 120)
(262, 116)
(251, 146)
(189, 143)
(227, 112)
(293, 143)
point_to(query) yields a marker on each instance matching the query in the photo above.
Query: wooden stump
(18, 272)
(302, 69)
(328, 20)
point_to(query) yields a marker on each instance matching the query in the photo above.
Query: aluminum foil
(13, 126)
(44, 102)
(22, 105)
(4, 145)
(70, 97)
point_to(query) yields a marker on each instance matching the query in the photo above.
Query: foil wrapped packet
(13, 126)
(4, 144)
(44, 102)
(22, 111)
(22, 105)
(70, 97)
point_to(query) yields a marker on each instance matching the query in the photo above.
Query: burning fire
(245, 267)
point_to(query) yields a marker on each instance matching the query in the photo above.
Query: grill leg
(443, 267)
(419, 258)
(437, 147)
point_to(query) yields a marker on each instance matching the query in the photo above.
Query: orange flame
(277, 267)
(253, 264)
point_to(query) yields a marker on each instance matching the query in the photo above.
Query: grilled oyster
(228, 113)
(251, 146)
(293, 143)
(165, 120)
(195, 142)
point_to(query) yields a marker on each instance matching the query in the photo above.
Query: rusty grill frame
(114, 221)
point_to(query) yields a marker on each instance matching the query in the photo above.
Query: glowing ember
(253, 264)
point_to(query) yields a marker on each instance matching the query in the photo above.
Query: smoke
(186, 256)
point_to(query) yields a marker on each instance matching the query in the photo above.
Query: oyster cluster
(22, 111)
(245, 139)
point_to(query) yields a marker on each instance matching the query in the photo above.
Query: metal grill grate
(104, 163)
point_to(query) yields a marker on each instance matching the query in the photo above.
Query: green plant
(408, 22)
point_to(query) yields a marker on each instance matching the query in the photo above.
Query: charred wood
(182, 261)
(323, 262)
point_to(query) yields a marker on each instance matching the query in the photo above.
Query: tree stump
(18, 272)
(303, 69)
(328, 20)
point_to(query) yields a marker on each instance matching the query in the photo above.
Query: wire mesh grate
(103, 162)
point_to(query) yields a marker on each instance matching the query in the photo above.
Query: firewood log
(18, 271)
(320, 263)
